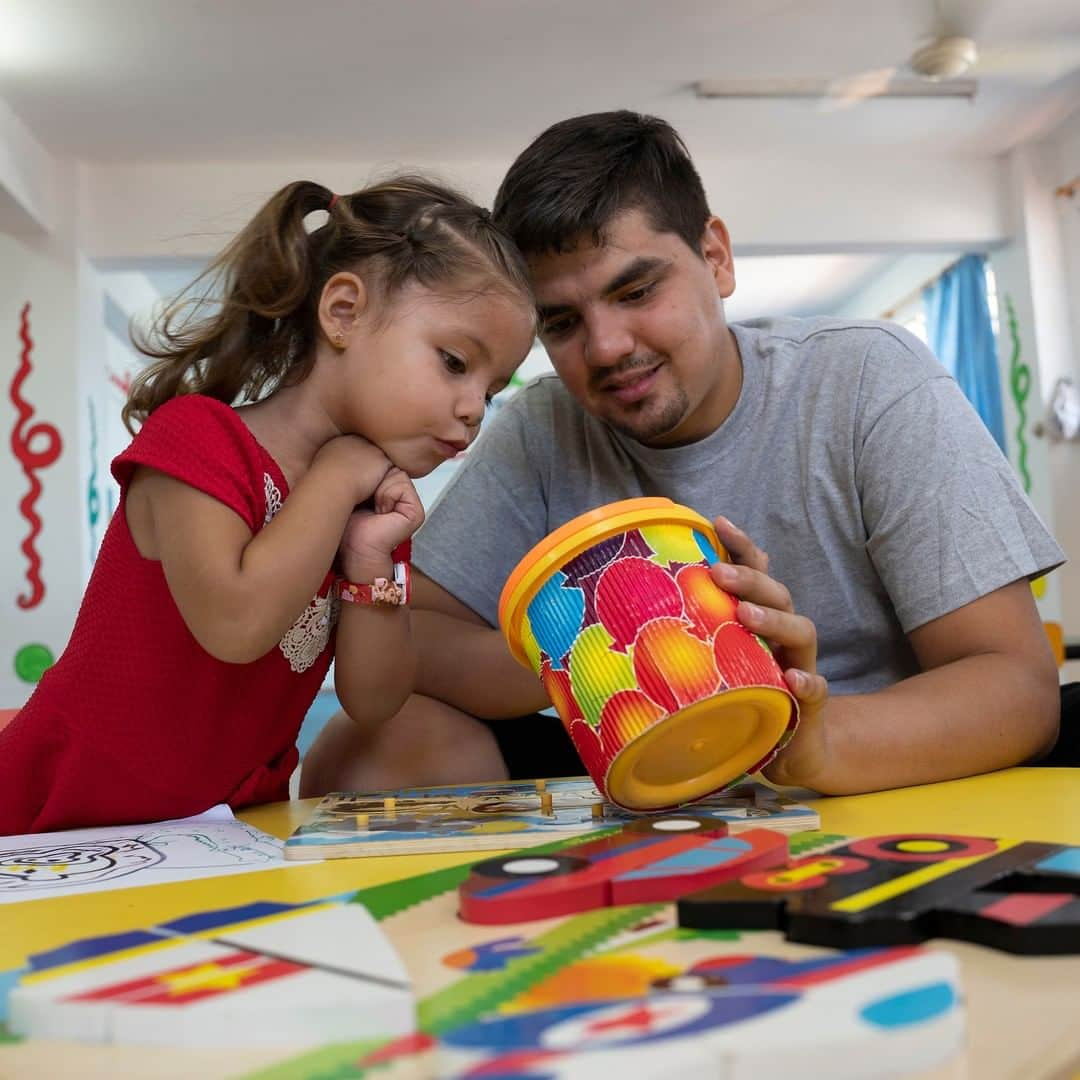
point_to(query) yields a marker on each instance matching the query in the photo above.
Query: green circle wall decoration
(32, 661)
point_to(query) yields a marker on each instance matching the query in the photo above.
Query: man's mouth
(631, 386)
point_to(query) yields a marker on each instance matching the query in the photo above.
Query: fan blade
(820, 88)
(845, 92)
(1031, 61)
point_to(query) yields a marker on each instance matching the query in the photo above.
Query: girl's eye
(454, 364)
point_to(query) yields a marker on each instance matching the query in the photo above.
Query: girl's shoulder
(205, 443)
(183, 427)
(191, 409)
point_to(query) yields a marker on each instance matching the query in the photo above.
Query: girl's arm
(239, 593)
(375, 658)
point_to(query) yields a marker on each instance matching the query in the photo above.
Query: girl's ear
(343, 302)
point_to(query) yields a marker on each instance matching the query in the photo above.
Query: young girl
(252, 544)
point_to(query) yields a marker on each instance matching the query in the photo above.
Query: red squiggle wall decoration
(121, 382)
(31, 460)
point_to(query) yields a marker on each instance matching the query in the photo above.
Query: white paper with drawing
(121, 856)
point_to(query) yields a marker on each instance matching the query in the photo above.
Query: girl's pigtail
(248, 325)
(241, 325)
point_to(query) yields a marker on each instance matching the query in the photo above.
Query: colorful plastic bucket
(666, 695)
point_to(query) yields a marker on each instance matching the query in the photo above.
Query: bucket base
(699, 749)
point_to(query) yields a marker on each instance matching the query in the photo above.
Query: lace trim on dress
(273, 497)
(305, 640)
(307, 637)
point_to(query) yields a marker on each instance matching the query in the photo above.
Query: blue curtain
(961, 335)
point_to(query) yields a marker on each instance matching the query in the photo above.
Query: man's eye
(639, 292)
(454, 364)
(556, 327)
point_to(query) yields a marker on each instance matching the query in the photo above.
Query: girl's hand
(765, 607)
(374, 531)
(356, 465)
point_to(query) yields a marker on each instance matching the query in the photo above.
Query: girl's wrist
(367, 569)
(381, 591)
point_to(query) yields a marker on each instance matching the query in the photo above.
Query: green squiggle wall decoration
(1020, 386)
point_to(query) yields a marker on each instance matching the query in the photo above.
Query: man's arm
(463, 661)
(987, 697)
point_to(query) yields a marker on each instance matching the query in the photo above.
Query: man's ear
(716, 251)
(343, 301)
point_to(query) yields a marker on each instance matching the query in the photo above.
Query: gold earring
(339, 339)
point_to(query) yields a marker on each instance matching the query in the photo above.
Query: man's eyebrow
(551, 311)
(641, 267)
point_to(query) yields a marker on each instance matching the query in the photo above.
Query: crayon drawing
(91, 860)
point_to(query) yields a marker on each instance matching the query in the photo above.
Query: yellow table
(1034, 804)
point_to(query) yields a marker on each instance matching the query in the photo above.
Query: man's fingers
(752, 585)
(810, 689)
(739, 546)
(794, 635)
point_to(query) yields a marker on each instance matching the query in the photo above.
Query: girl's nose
(470, 409)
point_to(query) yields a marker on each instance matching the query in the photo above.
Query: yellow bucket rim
(577, 535)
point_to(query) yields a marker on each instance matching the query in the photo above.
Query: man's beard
(653, 420)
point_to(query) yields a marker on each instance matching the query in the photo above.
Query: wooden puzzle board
(1006, 995)
(517, 814)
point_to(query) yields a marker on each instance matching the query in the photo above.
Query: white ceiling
(400, 81)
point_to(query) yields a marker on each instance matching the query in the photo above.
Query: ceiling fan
(946, 64)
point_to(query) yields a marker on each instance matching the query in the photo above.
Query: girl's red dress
(136, 722)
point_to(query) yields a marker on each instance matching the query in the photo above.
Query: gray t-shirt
(851, 457)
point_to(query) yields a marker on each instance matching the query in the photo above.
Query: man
(896, 547)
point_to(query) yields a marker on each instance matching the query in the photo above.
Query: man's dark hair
(576, 176)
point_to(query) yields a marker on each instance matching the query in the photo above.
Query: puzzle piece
(875, 1013)
(1019, 896)
(650, 860)
(257, 975)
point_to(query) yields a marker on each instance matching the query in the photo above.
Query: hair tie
(333, 200)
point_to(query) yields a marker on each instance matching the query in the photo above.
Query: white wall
(786, 205)
(1051, 226)
(40, 579)
(29, 180)
(901, 282)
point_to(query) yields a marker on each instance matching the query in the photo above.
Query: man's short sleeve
(946, 519)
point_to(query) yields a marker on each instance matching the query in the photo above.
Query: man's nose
(608, 338)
